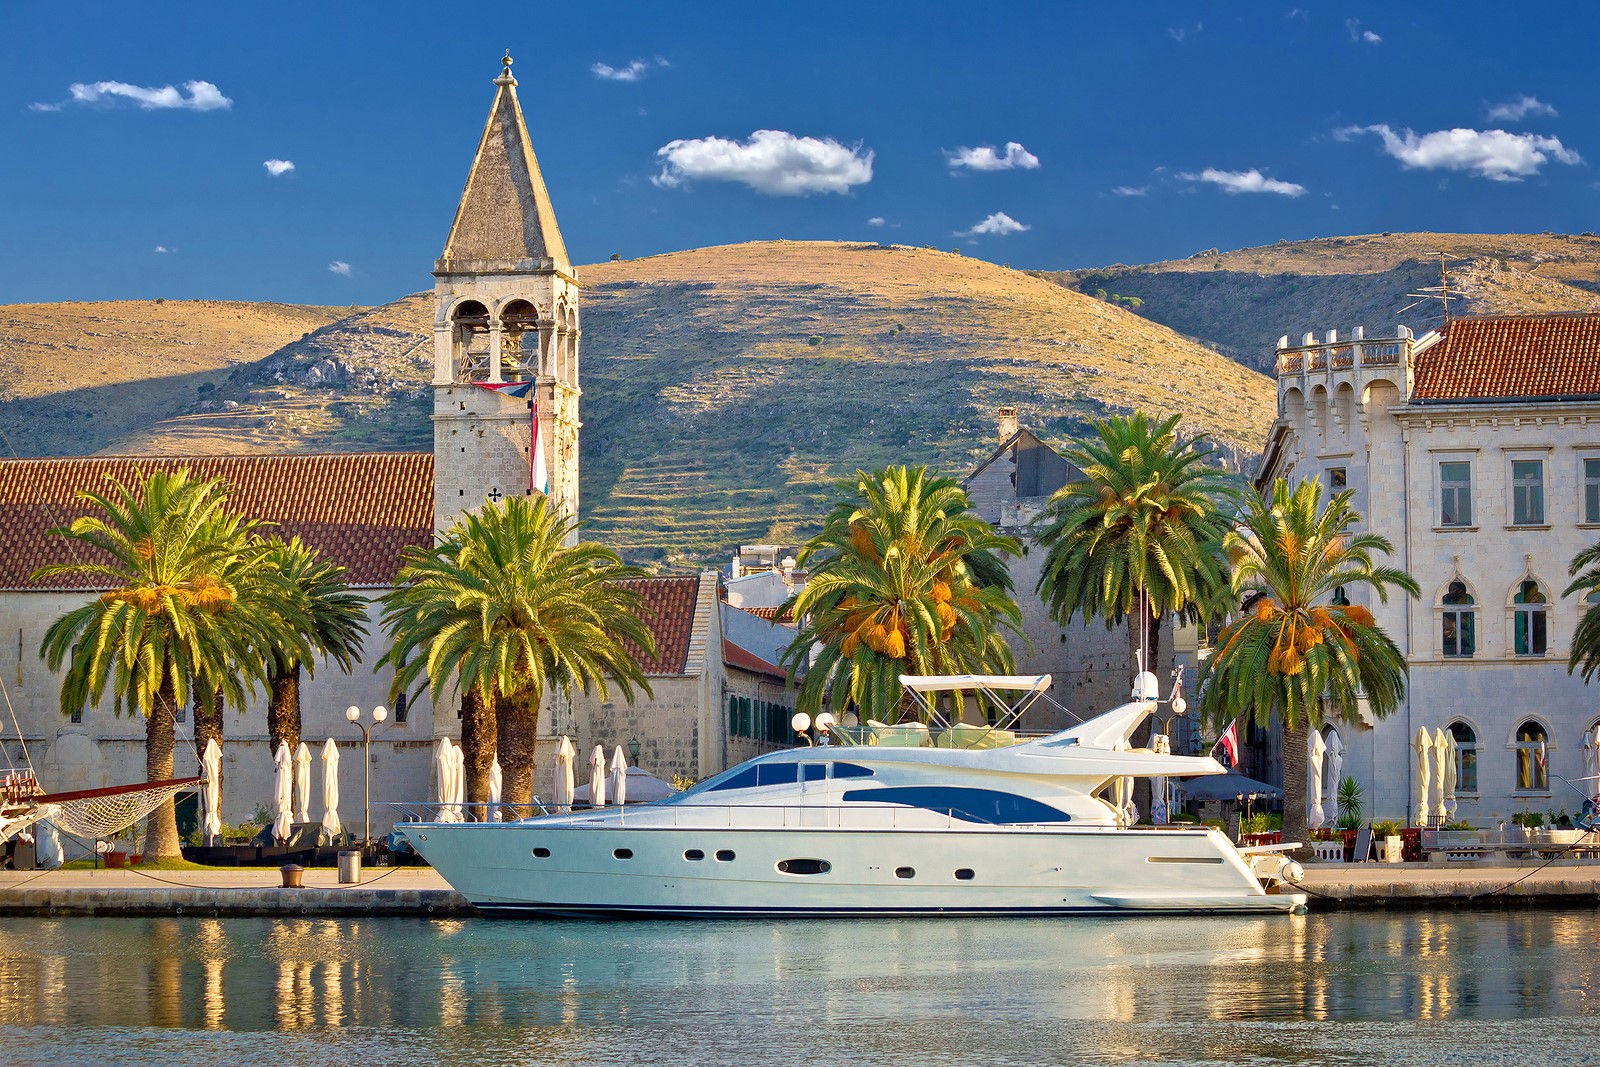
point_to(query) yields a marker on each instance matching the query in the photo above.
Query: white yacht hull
(610, 866)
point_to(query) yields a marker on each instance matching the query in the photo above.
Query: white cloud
(1520, 108)
(631, 73)
(278, 167)
(1493, 154)
(164, 250)
(341, 268)
(1130, 190)
(772, 162)
(999, 225)
(203, 96)
(877, 220)
(1245, 181)
(1358, 34)
(984, 157)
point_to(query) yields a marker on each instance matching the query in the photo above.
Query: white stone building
(1476, 451)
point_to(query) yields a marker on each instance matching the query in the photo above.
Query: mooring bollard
(349, 867)
(292, 873)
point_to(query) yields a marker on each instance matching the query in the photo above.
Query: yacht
(887, 820)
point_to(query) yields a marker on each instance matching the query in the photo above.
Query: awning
(1228, 786)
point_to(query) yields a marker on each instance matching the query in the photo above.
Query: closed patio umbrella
(597, 776)
(283, 792)
(1316, 749)
(458, 781)
(1335, 765)
(302, 783)
(211, 793)
(1591, 757)
(1436, 798)
(618, 785)
(1449, 790)
(330, 791)
(496, 781)
(444, 767)
(561, 787)
(1424, 747)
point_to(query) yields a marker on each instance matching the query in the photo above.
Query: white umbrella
(458, 780)
(618, 785)
(302, 783)
(211, 792)
(561, 788)
(283, 792)
(1436, 797)
(444, 766)
(1316, 748)
(1424, 747)
(330, 791)
(1449, 791)
(1335, 765)
(597, 776)
(496, 781)
(1591, 757)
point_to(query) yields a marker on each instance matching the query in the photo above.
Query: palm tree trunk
(283, 710)
(479, 739)
(1294, 787)
(161, 829)
(517, 721)
(207, 721)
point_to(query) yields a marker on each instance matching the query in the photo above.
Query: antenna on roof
(1441, 292)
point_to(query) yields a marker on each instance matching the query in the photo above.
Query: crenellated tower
(505, 331)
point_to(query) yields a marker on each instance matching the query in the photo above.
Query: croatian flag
(1229, 743)
(538, 473)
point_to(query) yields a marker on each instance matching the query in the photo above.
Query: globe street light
(379, 714)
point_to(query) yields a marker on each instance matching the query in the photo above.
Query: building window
(1533, 774)
(1527, 492)
(1530, 620)
(1340, 597)
(1455, 494)
(1337, 479)
(1466, 757)
(1459, 633)
(1591, 491)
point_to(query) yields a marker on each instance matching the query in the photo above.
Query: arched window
(1340, 597)
(1466, 757)
(1533, 772)
(1530, 620)
(1459, 636)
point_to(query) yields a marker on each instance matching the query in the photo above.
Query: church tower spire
(505, 330)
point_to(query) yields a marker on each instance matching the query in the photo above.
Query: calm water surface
(1493, 987)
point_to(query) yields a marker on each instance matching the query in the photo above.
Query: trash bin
(349, 867)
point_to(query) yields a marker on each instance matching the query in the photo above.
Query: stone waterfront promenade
(419, 891)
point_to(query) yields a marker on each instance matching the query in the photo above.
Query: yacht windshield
(758, 775)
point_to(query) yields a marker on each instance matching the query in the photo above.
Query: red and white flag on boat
(1229, 743)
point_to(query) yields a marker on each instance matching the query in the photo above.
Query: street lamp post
(379, 714)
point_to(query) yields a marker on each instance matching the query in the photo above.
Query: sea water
(1512, 987)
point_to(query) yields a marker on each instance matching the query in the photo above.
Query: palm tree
(171, 557)
(1293, 653)
(1137, 536)
(504, 609)
(1585, 654)
(905, 579)
(322, 615)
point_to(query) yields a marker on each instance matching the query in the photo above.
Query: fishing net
(96, 813)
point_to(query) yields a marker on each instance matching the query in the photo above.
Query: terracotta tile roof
(361, 509)
(1523, 357)
(670, 604)
(735, 656)
(770, 614)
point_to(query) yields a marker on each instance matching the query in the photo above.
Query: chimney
(1008, 423)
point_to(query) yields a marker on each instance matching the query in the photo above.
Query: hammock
(97, 813)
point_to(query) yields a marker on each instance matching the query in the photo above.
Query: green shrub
(1386, 828)
(1260, 824)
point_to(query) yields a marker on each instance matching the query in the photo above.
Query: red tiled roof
(360, 509)
(1521, 357)
(735, 656)
(770, 614)
(670, 605)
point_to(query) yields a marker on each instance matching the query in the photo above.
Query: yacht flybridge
(896, 819)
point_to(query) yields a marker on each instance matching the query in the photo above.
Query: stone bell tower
(505, 333)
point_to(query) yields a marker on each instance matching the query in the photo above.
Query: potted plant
(1349, 818)
(1388, 831)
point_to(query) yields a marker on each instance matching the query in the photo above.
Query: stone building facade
(1476, 451)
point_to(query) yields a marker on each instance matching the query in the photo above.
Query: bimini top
(943, 683)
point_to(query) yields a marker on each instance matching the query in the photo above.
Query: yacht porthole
(905, 872)
(541, 853)
(694, 854)
(804, 866)
(622, 853)
(725, 855)
(964, 874)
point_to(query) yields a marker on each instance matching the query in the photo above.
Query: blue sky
(135, 139)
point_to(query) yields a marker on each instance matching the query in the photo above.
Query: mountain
(725, 389)
(1241, 302)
